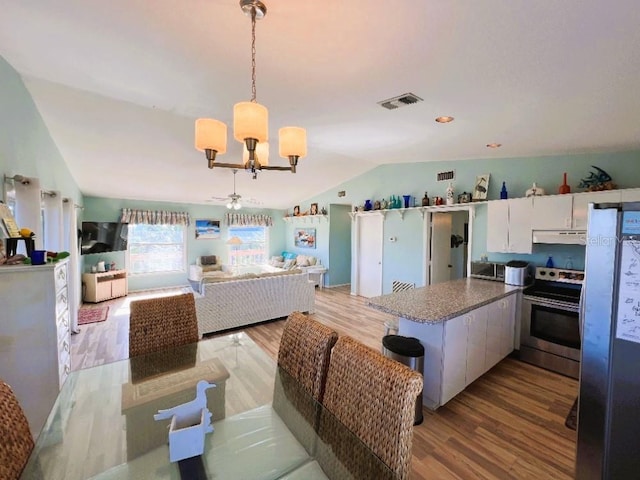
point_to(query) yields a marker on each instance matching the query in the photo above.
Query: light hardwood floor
(508, 424)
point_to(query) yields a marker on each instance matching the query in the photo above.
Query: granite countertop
(442, 301)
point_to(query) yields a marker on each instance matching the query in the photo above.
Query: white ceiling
(120, 83)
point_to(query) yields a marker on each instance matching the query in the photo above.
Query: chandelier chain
(253, 54)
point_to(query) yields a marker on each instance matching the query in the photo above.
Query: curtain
(155, 217)
(247, 219)
(70, 219)
(27, 211)
(53, 224)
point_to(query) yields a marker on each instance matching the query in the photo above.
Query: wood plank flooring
(508, 424)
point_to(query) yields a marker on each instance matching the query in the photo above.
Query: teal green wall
(339, 265)
(403, 260)
(26, 148)
(109, 210)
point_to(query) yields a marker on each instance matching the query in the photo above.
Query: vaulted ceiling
(120, 83)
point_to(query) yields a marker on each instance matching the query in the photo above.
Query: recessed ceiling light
(444, 119)
(494, 145)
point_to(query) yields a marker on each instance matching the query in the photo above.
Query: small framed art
(296, 211)
(481, 187)
(207, 229)
(314, 209)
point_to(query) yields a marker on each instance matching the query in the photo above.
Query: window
(254, 247)
(156, 248)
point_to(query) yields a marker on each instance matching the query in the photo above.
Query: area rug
(572, 419)
(92, 315)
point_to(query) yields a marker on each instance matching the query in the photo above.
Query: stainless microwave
(488, 271)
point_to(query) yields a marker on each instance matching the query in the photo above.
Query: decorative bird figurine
(190, 411)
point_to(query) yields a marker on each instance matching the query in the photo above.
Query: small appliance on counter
(518, 272)
(488, 271)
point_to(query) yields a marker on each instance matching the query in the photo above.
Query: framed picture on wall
(481, 187)
(314, 209)
(207, 229)
(296, 211)
(305, 237)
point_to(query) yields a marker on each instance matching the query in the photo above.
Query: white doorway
(368, 255)
(448, 244)
(441, 247)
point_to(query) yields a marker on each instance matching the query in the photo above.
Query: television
(100, 237)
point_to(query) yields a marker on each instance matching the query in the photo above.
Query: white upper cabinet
(552, 212)
(509, 225)
(630, 195)
(581, 203)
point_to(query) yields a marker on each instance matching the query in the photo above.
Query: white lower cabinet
(35, 335)
(461, 349)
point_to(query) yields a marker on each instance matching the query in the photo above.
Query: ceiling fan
(233, 199)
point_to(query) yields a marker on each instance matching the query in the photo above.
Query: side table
(317, 272)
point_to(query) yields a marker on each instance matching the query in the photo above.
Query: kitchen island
(466, 327)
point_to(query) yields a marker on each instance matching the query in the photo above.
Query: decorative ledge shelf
(421, 210)
(306, 218)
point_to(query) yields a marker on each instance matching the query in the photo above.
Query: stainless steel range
(550, 334)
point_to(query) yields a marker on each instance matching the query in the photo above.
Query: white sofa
(225, 303)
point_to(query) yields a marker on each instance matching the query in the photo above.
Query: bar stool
(391, 327)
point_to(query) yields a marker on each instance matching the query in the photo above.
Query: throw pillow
(289, 264)
(208, 260)
(304, 262)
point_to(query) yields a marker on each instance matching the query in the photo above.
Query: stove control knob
(552, 274)
(542, 273)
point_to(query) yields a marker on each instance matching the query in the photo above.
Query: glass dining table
(265, 425)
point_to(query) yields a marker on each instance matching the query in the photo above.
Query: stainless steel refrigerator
(609, 406)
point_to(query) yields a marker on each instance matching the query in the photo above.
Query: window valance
(246, 219)
(155, 217)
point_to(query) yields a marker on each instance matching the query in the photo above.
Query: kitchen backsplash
(563, 255)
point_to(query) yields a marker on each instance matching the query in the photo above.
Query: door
(369, 253)
(441, 247)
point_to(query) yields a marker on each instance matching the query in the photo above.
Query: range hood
(562, 237)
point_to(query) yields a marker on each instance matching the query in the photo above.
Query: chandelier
(250, 123)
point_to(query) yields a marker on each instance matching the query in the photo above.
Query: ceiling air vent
(400, 101)
(444, 176)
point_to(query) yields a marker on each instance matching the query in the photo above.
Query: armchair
(205, 264)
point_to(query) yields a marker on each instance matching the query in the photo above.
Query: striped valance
(154, 217)
(247, 219)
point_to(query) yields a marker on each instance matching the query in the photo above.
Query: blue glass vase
(407, 201)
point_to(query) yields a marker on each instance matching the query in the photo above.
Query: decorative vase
(503, 193)
(407, 201)
(534, 191)
(449, 194)
(564, 188)
(367, 205)
(384, 204)
(425, 200)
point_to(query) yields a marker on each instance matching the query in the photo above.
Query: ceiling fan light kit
(250, 123)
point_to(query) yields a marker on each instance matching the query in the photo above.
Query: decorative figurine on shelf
(323, 211)
(534, 191)
(367, 205)
(597, 181)
(464, 197)
(503, 192)
(564, 188)
(425, 200)
(449, 194)
(190, 422)
(383, 204)
(376, 205)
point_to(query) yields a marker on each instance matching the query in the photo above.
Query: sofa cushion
(289, 264)
(289, 255)
(211, 268)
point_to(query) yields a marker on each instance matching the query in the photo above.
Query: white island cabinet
(461, 349)
(35, 335)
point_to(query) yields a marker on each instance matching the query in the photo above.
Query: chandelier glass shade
(250, 123)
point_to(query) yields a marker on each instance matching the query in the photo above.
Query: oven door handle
(545, 302)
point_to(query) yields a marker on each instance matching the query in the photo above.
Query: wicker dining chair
(303, 359)
(374, 397)
(159, 323)
(305, 348)
(16, 442)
